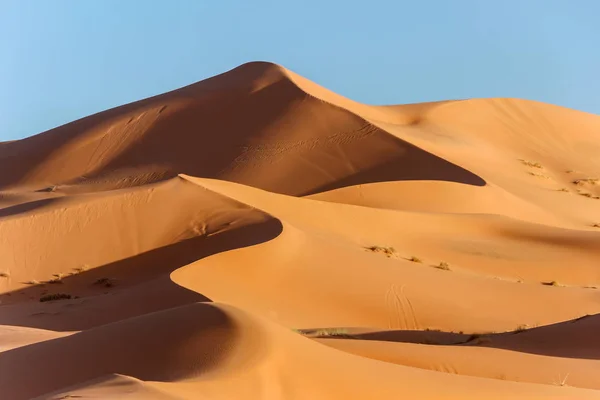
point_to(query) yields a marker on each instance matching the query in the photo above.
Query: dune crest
(255, 235)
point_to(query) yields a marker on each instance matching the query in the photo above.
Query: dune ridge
(257, 235)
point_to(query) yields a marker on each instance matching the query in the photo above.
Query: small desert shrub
(33, 282)
(580, 182)
(596, 225)
(83, 268)
(4, 274)
(55, 296)
(531, 163)
(105, 282)
(521, 328)
(443, 265)
(539, 175)
(57, 279)
(415, 259)
(551, 283)
(332, 332)
(563, 190)
(387, 251)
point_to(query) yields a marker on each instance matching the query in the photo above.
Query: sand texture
(257, 236)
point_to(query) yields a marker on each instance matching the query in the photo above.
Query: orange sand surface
(256, 236)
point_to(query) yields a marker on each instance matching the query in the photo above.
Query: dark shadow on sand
(577, 338)
(125, 288)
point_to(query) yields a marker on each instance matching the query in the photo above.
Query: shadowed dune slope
(72, 236)
(565, 353)
(251, 125)
(202, 346)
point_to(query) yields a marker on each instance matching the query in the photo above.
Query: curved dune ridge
(257, 236)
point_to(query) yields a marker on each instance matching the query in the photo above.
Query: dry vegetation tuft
(83, 268)
(521, 328)
(542, 176)
(57, 278)
(332, 332)
(387, 251)
(107, 282)
(531, 164)
(591, 196)
(325, 333)
(443, 265)
(583, 181)
(552, 283)
(55, 296)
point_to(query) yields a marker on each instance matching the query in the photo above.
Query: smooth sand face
(257, 236)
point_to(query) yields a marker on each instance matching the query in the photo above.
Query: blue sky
(61, 60)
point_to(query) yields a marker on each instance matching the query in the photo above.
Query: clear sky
(61, 60)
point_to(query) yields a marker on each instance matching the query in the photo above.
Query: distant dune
(257, 236)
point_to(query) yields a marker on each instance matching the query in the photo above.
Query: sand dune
(203, 346)
(256, 235)
(280, 131)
